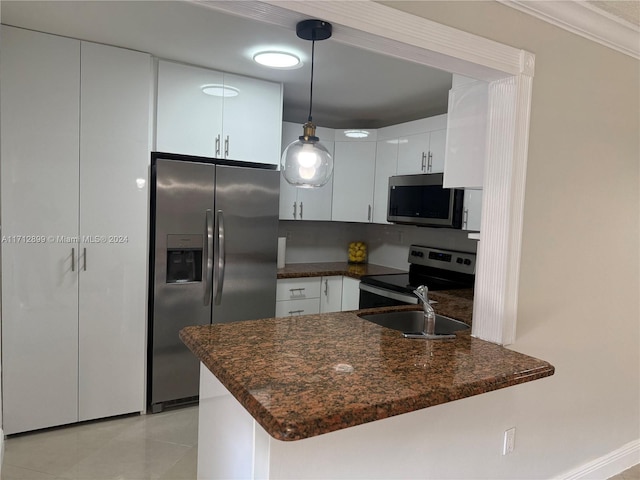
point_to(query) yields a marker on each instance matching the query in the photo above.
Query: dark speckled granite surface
(308, 375)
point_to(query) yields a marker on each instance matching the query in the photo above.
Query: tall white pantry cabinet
(75, 143)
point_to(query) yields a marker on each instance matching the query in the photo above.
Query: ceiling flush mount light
(218, 90)
(306, 162)
(356, 133)
(277, 59)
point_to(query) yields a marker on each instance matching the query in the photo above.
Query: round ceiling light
(218, 90)
(356, 133)
(277, 59)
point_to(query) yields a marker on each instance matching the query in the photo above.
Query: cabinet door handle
(423, 165)
(297, 293)
(84, 259)
(226, 147)
(369, 214)
(294, 210)
(300, 210)
(296, 312)
(218, 146)
(430, 163)
(326, 288)
(465, 218)
(73, 259)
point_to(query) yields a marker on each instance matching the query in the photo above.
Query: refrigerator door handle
(208, 256)
(221, 257)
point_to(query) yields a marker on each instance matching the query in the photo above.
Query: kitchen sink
(413, 321)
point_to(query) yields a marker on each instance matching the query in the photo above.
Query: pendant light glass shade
(306, 163)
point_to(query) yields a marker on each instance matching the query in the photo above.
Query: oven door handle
(383, 292)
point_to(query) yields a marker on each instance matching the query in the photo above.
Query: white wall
(580, 277)
(1, 429)
(388, 244)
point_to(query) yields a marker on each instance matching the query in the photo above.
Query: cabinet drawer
(298, 288)
(289, 308)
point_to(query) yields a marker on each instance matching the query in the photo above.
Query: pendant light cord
(313, 47)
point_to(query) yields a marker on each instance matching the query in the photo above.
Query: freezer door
(182, 254)
(246, 231)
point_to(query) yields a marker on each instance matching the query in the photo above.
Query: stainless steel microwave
(422, 200)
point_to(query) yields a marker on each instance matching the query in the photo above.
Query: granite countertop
(300, 270)
(305, 376)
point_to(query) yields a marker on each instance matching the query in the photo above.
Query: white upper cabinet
(386, 163)
(466, 135)
(472, 210)
(191, 122)
(188, 120)
(421, 145)
(413, 151)
(353, 179)
(252, 120)
(305, 203)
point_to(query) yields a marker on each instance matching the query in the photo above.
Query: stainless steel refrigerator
(213, 254)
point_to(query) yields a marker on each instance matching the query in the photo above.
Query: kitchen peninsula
(266, 383)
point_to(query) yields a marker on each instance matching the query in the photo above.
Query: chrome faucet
(429, 326)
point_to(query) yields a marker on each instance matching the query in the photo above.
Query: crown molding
(581, 18)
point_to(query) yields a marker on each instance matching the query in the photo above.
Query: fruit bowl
(357, 252)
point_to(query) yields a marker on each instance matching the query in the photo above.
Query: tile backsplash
(309, 242)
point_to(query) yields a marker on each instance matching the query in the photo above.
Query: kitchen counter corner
(304, 376)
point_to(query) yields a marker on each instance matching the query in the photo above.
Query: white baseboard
(608, 465)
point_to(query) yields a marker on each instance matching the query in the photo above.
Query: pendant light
(306, 163)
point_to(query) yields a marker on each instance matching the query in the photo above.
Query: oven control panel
(462, 262)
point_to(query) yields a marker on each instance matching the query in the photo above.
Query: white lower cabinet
(331, 294)
(297, 296)
(350, 294)
(304, 296)
(291, 308)
(74, 211)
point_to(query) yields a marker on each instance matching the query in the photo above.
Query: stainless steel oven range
(436, 268)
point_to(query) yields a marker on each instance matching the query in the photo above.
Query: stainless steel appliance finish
(412, 322)
(436, 268)
(422, 200)
(213, 260)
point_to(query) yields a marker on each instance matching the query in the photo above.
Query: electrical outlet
(509, 441)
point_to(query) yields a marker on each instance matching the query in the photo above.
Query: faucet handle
(422, 293)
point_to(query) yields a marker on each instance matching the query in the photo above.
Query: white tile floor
(160, 447)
